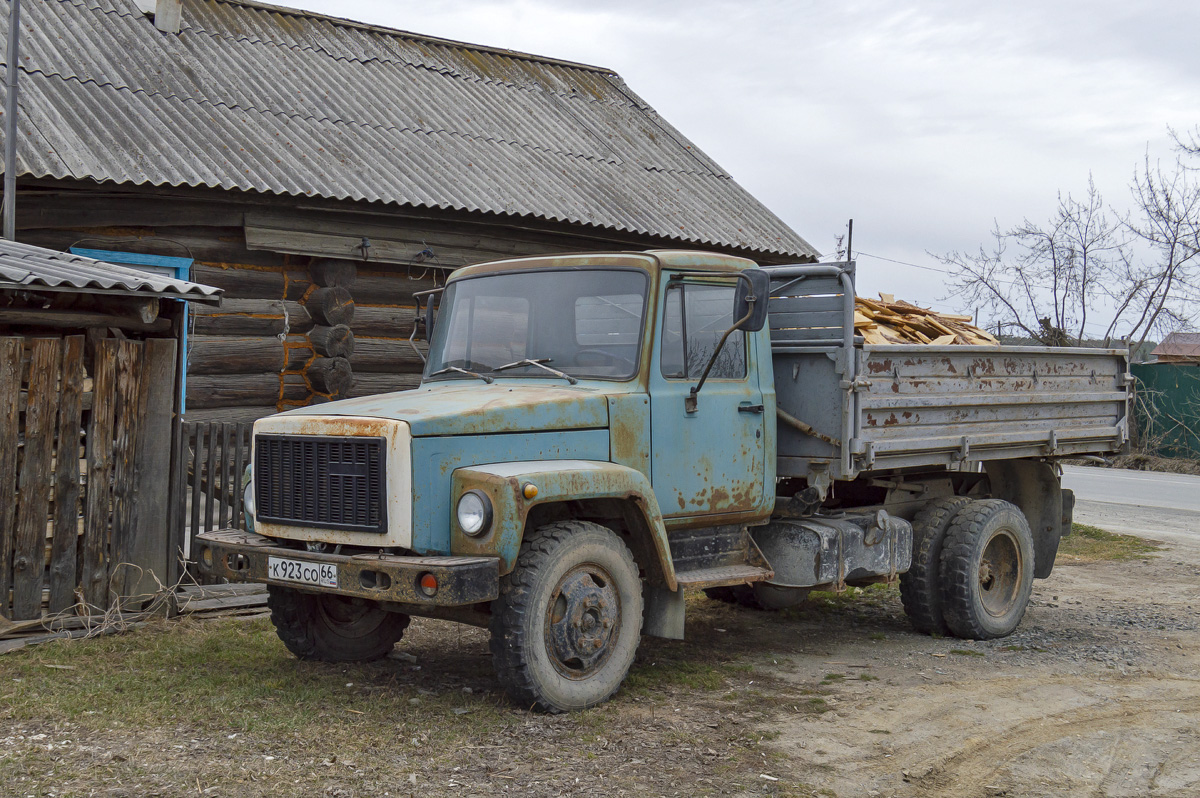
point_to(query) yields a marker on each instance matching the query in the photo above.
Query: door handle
(750, 408)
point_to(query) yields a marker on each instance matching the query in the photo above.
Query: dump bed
(849, 407)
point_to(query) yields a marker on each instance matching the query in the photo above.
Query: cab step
(723, 575)
(717, 556)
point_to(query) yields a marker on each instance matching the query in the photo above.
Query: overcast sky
(922, 121)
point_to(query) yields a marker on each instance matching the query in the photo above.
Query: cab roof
(651, 260)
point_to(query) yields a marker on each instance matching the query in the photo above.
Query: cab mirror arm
(427, 320)
(752, 294)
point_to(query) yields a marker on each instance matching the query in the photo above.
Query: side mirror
(750, 300)
(431, 309)
(427, 321)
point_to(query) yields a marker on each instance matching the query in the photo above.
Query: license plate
(306, 573)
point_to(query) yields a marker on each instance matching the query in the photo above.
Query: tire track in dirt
(981, 759)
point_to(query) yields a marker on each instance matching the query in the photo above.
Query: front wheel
(333, 628)
(986, 570)
(569, 618)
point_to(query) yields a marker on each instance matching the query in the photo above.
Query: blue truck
(597, 433)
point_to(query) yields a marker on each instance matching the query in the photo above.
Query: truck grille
(320, 481)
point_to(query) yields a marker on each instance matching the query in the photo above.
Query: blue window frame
(179, 268)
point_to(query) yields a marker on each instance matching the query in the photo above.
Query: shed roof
(38, 268)
(1179, 345)
(259, 98)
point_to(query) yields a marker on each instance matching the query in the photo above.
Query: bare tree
(1136, 270)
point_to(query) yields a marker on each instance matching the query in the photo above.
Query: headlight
(474, 513)
(248, 499)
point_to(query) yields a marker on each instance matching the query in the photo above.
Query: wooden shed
(90, 388)
(320, 171)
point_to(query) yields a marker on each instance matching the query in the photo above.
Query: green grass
(648, 677)
(964, 652)
(1088, 543)
(235, 677)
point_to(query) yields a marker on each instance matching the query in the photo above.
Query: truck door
(711, 460)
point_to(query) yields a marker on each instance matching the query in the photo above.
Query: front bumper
(242, 557)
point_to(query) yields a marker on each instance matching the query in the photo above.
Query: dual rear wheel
(972, 569)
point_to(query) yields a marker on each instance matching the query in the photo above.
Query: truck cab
(593, 434)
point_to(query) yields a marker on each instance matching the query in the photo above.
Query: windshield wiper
(483, 377)
(540, 363)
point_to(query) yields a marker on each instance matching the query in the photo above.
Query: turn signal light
(530, 490)
(428, 583)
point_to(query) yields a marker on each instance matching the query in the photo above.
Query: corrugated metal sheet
(1179, 345)
(32, 267)
(256, 98)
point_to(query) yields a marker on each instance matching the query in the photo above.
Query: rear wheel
(920, 586)
(333, 628)
(986, 570)
(569, 618)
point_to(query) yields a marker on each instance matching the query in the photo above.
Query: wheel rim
(582, 619)
(348, 616)
(1000, 574)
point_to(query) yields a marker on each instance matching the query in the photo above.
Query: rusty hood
(458, 407)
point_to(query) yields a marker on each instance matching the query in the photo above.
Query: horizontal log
(330, 306)
(221, 354)
(383, 322)
(228, 414)
(336, 341)
(256, 317)
(34, 317)
(211, 245)
(331, 375)
(331, 272)
(237, 390)
(241, 283)
(387, 355)
(298, 283)
(369, 384)
(393, 286)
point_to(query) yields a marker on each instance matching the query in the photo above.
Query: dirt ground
(1097, 694)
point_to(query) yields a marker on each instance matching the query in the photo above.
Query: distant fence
(212, 458)
(1167, 411)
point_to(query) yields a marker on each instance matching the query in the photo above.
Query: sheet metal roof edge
(25, 266)
(351, 23)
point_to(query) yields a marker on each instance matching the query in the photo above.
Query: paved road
(1141, 488)
(1144, 503)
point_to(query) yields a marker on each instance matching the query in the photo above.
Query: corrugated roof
(257, 98)
(27, 266)
(1179, 344)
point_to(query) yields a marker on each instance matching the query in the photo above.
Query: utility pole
(11, 68)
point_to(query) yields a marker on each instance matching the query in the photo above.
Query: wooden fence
(212, 458)
(85, 471)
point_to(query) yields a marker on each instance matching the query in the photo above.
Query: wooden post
(99, 492)
(130, 359)
(11, 350)
(63, 557)
(147, 548)
(29, 555)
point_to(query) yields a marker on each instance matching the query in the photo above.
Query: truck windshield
(582, 323)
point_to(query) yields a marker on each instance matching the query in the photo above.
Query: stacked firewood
(887, 321)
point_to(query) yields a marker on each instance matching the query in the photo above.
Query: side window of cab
(695, 318)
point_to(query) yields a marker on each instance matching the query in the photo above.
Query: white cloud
(925, 121)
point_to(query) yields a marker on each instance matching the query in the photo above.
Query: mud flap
(665, 612)
(1034, 487)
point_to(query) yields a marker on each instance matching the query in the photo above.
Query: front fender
(556, 481)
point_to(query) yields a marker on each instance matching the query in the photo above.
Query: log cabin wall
(309, 314)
